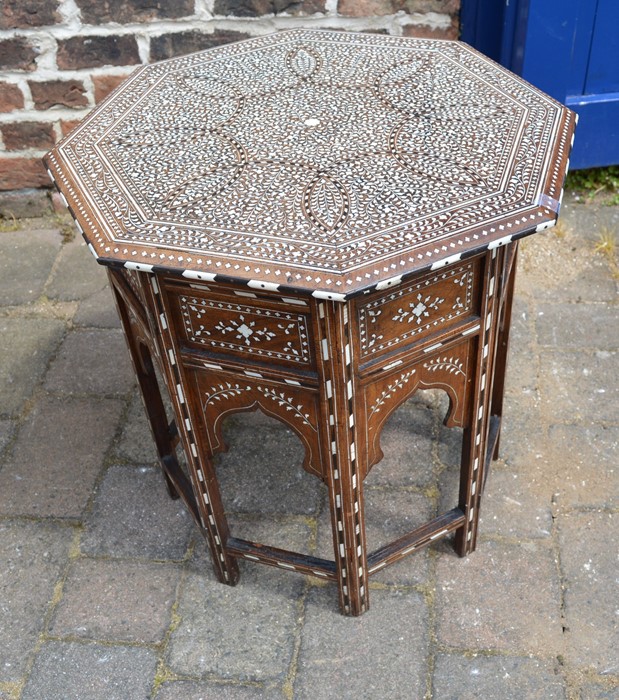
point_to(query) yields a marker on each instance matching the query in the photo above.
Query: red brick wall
(58, 58)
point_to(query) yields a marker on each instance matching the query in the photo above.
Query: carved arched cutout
(405, 440)
(266, 492)
(310, 459)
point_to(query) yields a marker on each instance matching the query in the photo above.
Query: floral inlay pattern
(228, 390)
(453, 365)
(391, 389)
(255, 329)
(417, 307)
(314, 158)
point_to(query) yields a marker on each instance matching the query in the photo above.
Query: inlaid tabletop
(327, 163)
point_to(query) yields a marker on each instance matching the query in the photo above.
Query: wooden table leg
(346, 453)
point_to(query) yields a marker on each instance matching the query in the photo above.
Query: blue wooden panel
(548, 45)
(603, 68)
(569, 49)
(581, 47)
(480, 25)
(597, 135)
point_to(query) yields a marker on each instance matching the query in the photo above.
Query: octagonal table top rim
(337, 285)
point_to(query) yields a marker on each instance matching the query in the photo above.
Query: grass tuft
(607, 246)
(596, 184)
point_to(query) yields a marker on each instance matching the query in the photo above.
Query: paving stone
(407, 444)
(578, 273)
(77, 275)
(73, 671)
(522, 374)
(511, 508)
(32, 558)
(593, 691)
(6, 432)
(389, 514)
(449, 446)
(26, 259)
(275, 531)
(123, 601)
(523, 436)
(136, 442)
(245, 632)
(502, 597)
(262, 472)
(589, 326)
(57, 457)
(133, 516)
(91, 362)
(26, 345)
(578, 386)
(97, 311)
(589, 545)
(581, 464)
(195, 690)
(381, 654)
(495, 678)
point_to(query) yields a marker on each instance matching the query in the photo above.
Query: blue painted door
(569, 49)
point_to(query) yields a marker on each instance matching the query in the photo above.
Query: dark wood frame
(347, 393)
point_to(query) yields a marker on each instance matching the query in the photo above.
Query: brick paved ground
(105, 588)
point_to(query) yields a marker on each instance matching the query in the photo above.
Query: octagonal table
(317, 225)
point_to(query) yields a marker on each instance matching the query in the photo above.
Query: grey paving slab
(512, 508)
(390, 513)
(124, 601)
(495, 678)
(26, 346)
(582, 465)
(295, 534)
(595, 691)
(7, 428)
(26, 260)
(91, 362)
(204, 690)
(74, 671)
(523, 430)
(407, 444)
(522, 376)
(57, 456)
(580, 387)
(32, 559)
(133, 516)
(449, 446)
(578, 325)
(77, 274)
(502, 597)
(136, 443)
(381, 654)
(245, 632)
(566, 268)
(266, 474)
(97, 311)
(589, 546)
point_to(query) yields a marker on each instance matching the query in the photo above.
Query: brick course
(179, 43)
(23, 14)
(104, 84)
(22, 135)
(17, 54)
(97, 51)
(53, 93)
(124, 11)
(62, 57)
(11, 97)
(19, 173)
(255, 8)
